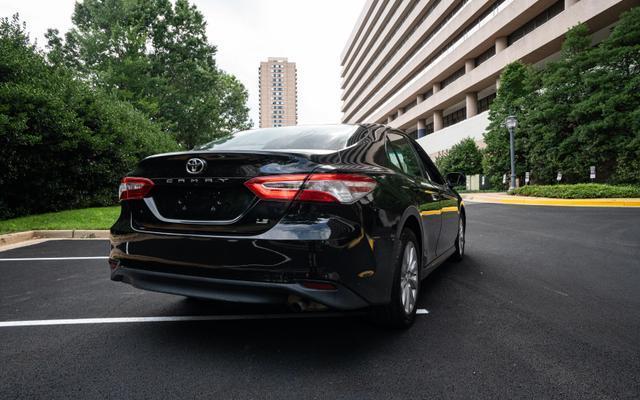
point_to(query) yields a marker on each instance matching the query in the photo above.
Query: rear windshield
(325, 137)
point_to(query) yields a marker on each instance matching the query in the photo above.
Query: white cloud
(310, 33)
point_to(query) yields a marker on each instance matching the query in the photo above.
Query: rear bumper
(235, 290)
(346, 246)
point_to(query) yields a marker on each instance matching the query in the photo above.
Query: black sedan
(337, 216)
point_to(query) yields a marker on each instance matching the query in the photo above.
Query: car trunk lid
(204, 192)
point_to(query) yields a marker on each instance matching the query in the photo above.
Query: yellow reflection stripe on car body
(440, 211)
(430, 212)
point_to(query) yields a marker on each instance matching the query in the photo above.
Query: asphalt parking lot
(545, 305)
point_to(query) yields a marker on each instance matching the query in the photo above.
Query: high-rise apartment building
(432, 67)
(278, 82)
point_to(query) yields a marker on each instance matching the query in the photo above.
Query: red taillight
(328, 188)
(132, 188)
(279, 187)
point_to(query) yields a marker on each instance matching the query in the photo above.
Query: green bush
(463, 157)
(579, 191)
(63, 144)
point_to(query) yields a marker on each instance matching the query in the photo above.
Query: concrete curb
(18, 237)
(540, 201)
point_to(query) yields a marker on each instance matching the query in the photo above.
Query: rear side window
(321, 137)
(430, 168)
(402, 156)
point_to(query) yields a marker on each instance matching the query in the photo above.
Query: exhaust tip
(298, 304)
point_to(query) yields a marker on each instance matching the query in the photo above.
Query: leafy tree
(557, 125)
(463, 157)
(63, 144)
(585, 116)
(154, 54)
(518, 84)
(579, 111)
(617, 80)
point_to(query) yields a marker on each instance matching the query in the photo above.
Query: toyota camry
(341, 217)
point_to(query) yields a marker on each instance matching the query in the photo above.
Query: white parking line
(182, 318)
(54, 258)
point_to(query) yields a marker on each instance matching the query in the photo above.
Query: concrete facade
(432, 67)
(278, 80)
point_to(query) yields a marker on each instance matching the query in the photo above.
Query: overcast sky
(310, 33)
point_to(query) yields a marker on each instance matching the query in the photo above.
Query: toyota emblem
(196, 165)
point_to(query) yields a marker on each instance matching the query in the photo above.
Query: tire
(460, 239)
(397, 313)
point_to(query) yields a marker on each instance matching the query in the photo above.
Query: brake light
(327, 188)
(132, 188)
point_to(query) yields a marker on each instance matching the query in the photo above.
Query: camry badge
(195, 165)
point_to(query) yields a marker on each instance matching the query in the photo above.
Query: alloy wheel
(461, 237)
(409, 278)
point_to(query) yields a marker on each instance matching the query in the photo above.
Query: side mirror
(456, 179)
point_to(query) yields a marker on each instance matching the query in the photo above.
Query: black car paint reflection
(268, 250)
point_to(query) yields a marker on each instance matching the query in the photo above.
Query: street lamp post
(511, 123)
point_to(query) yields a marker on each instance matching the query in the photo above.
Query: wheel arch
(411, 220)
